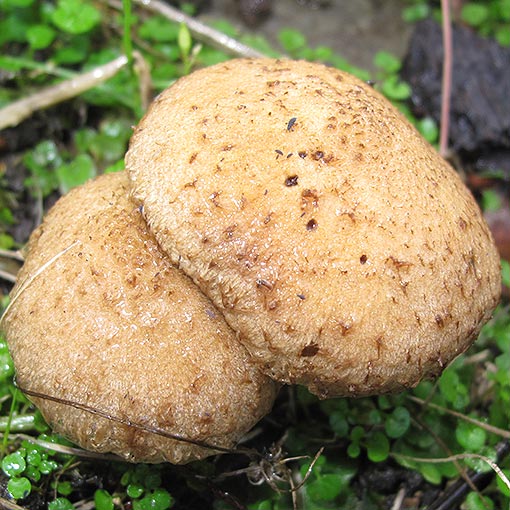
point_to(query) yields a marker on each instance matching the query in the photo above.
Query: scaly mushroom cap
(345, 251)
(110, 324)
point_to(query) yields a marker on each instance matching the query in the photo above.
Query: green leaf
(291, 40)
(103, 500)
(118, 166)
(267, 504)
(428, 129)
(75, 173)
(134, 490)
(40, 36)
(470, 437)
(397, 424)
(387, 62)
(158, 500)
(75, 16)
(65, 488)
(19, 3)
(474, 13)
(322, 53)
(33, 473)
(378, 447)
(491, 200)
(504, 10)
(152, 480)
(34, 457)
(416, 12)
(47, 466)
(395, 89)
(6, 364)
(74, 52)
(431, 473)
(338, 423)
(505, 272)
(357, 433)
(184, 40)
(503, 35)
(354, 450)
(19, 488)
(60, 504)
(14, 464)
(159, 29)
(475, 501)
(325, 488)
(452, 389)
(13, 29)
(502, 486)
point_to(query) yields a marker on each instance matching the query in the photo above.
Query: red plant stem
(446, 85)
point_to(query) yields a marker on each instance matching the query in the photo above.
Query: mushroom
(345, 252)
(109, 324)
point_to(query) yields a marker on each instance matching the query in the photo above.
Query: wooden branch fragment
(6, 504)
(7, 276)
(486, 426)
(16, 112)
(201, 31)
(11, 254)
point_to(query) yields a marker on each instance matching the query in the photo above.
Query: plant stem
(20, 423)
(200, 31)
(14, 113)
(8, 423)
(127, 42)
(446, 85)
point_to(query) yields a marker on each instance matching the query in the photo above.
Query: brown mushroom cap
(345, 251)
(112, 325)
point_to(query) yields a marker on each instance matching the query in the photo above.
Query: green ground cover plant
(489, 17)
(372, 450)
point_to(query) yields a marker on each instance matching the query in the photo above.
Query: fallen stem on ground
(16, 112)
(459, 456)
(489, 428)
(200, 31)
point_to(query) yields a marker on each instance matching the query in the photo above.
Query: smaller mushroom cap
(345, 251)
(111, 325)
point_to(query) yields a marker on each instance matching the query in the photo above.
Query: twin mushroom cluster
(278, 222)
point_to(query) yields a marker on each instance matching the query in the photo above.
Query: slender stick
(489, 428)
(446, 85)
(7, 276)
(6, 504)
(18, 111)
(199, 30)
(10, 254)
(32, 277)
(459, 456)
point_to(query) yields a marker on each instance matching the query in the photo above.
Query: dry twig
(199, 30)
(16, 112)
(489, 428)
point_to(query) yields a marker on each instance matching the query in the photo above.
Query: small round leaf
(398, 422)
(75, 16)
(13, 464)
(40, 36)
(103, 500)
(378, 447)
(60, 504)
(19, 488)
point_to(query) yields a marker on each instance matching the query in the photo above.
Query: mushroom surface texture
(112, 325)
(346, 253)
